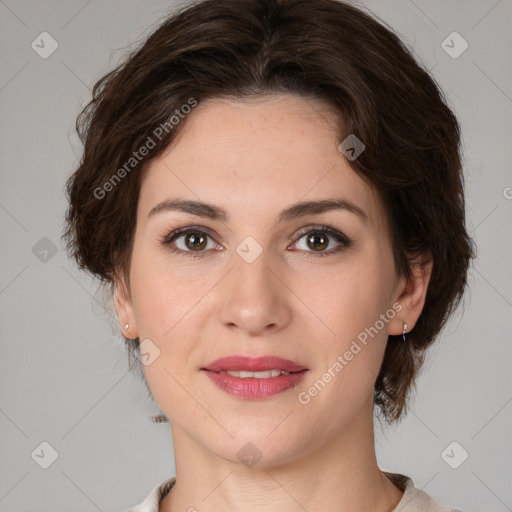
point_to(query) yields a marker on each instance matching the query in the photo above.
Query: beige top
(413, 500)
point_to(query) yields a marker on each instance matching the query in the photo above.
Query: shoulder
(414, 499)
(154, 498)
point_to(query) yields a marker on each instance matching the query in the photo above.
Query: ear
(411, 294)
(124, 308)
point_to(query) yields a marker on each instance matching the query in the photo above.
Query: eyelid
(179, 231)
(324, 229)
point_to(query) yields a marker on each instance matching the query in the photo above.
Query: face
(253, 281)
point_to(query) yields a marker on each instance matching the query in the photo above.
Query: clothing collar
(413, 500)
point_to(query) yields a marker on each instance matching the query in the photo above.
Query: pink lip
(253, 364)
(251, 387)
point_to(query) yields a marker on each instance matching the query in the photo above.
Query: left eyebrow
(321, 206)
(302, 209)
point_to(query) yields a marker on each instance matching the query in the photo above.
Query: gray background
(63, 368)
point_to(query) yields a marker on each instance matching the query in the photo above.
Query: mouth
(255, 378)
(256, 367)
(243, 374)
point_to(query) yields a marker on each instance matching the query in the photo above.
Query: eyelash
(344, 241)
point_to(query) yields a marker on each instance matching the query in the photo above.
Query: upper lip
(253, 364)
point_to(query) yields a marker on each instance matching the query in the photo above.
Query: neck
(340, 474)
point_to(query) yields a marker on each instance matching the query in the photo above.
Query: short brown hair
(325, 49)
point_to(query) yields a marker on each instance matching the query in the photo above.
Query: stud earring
(403, 333)
(126, 326)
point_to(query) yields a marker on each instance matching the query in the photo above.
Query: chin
(256, 449)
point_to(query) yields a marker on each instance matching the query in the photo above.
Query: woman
(273, 188)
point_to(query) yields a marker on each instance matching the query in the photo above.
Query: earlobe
(413, 294)
(124, 310)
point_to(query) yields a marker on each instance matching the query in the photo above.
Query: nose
(253, 298)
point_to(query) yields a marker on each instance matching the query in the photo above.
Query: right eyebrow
(197, 208)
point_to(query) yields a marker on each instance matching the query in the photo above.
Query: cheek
(168, 313)
(350, 361)
(161, 294)
(355, 296)
(165, 315)
(357, 310)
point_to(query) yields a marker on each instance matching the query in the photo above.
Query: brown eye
(317, 241)
(195, 241)
(187, 241)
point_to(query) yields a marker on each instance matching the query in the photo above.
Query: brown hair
(324, 49)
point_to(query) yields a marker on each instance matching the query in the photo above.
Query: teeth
(258, 375)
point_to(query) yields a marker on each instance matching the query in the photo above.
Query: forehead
(257, 155)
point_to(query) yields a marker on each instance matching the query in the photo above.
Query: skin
(254, 159)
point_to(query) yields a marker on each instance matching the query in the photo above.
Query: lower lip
(253, 388)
